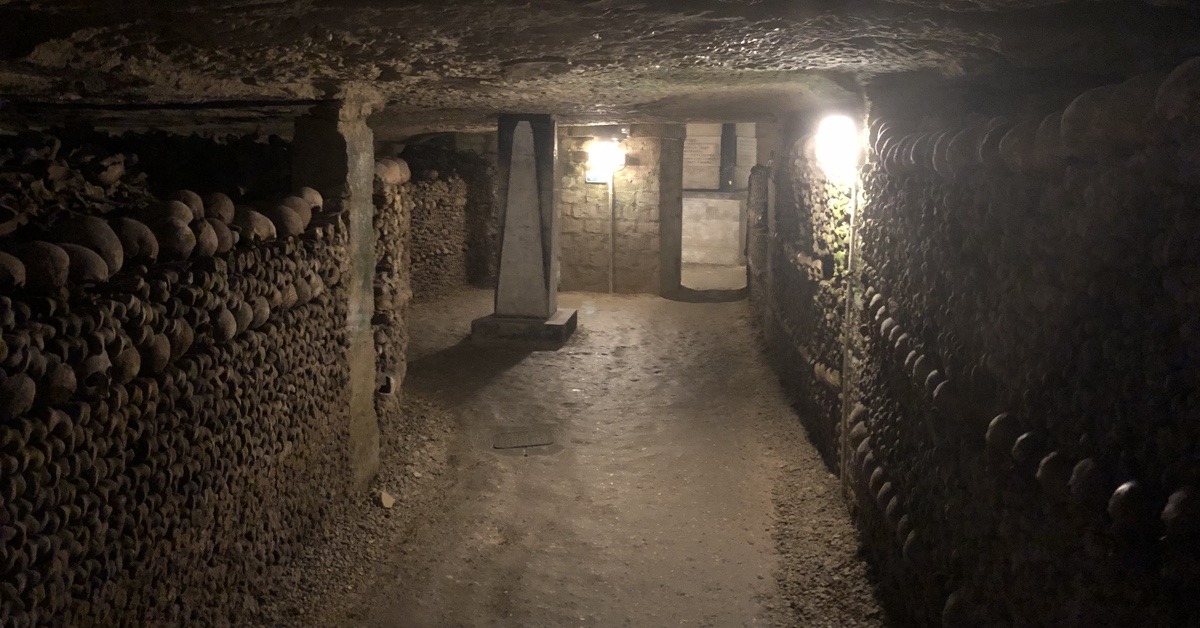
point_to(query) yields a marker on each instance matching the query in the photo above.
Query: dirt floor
(679, 490)
(712, 277)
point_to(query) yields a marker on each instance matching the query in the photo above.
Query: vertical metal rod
(612, 232)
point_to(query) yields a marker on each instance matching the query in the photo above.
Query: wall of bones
(439, 237)
(797, 256)
(173, 372)
(1022, 443)
(457, 229)
(394, 204)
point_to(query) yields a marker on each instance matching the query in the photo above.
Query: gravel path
(680, 489)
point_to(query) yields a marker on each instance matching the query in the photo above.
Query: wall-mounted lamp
(604, 158)
(837, 148)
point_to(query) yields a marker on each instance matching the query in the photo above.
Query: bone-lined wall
(394, 204)
(439, 237)
(1022, 443)
(171, 378)
(798, 255)
(455, 227)
(174, 413)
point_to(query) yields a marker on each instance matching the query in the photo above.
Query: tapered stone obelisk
(526, 310)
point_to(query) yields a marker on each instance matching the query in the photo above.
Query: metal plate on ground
(519, 437)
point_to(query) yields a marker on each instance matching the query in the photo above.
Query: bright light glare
(837, 148)
(605, 157)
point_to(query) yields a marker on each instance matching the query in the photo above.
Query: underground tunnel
(600, 313)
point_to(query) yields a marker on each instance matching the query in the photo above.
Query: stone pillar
(527, 288)
(670, 208)
(333, 152)
(747, 154)
(769, 143)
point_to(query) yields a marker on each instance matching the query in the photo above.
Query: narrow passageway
(656, 504)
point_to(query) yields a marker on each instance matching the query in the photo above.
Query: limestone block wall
(703, 148)
(746, 154)
(585, 221)
(641, 193)
(173, 415)
(702, 156)
(713, 228)
(1022, 444)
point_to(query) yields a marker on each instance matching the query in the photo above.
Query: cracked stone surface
(447, 64)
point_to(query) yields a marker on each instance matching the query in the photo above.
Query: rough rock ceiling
(446, 63)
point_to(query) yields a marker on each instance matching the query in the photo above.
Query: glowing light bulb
(604, 158)
(837, 148)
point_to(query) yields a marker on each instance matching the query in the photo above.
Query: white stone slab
(747, 151)
(702, 163)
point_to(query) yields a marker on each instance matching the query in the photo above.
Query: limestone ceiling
(453, 63)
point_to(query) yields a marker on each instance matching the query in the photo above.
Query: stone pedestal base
(519, 331)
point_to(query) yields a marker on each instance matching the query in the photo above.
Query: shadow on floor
(688, 295)
(469, 365)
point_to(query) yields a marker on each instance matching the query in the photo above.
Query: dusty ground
(324, 585)
(680, 489)
(658, 504)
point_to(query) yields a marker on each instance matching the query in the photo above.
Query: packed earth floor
(679, 490)
(712, 277)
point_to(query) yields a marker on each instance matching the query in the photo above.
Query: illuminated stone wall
(586, 220)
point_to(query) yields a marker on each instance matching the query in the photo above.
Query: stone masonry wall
(586, 218)
(173, 415)
(712, 228)
(1023, 445)
(585, 221)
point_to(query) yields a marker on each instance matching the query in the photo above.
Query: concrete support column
(333, 152)
(527, 287)
(670, 207)
(770, 141)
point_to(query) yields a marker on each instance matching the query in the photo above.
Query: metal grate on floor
(518, 437)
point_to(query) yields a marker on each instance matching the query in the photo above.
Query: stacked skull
(172, 409)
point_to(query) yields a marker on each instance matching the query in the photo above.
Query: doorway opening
(717, 161)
